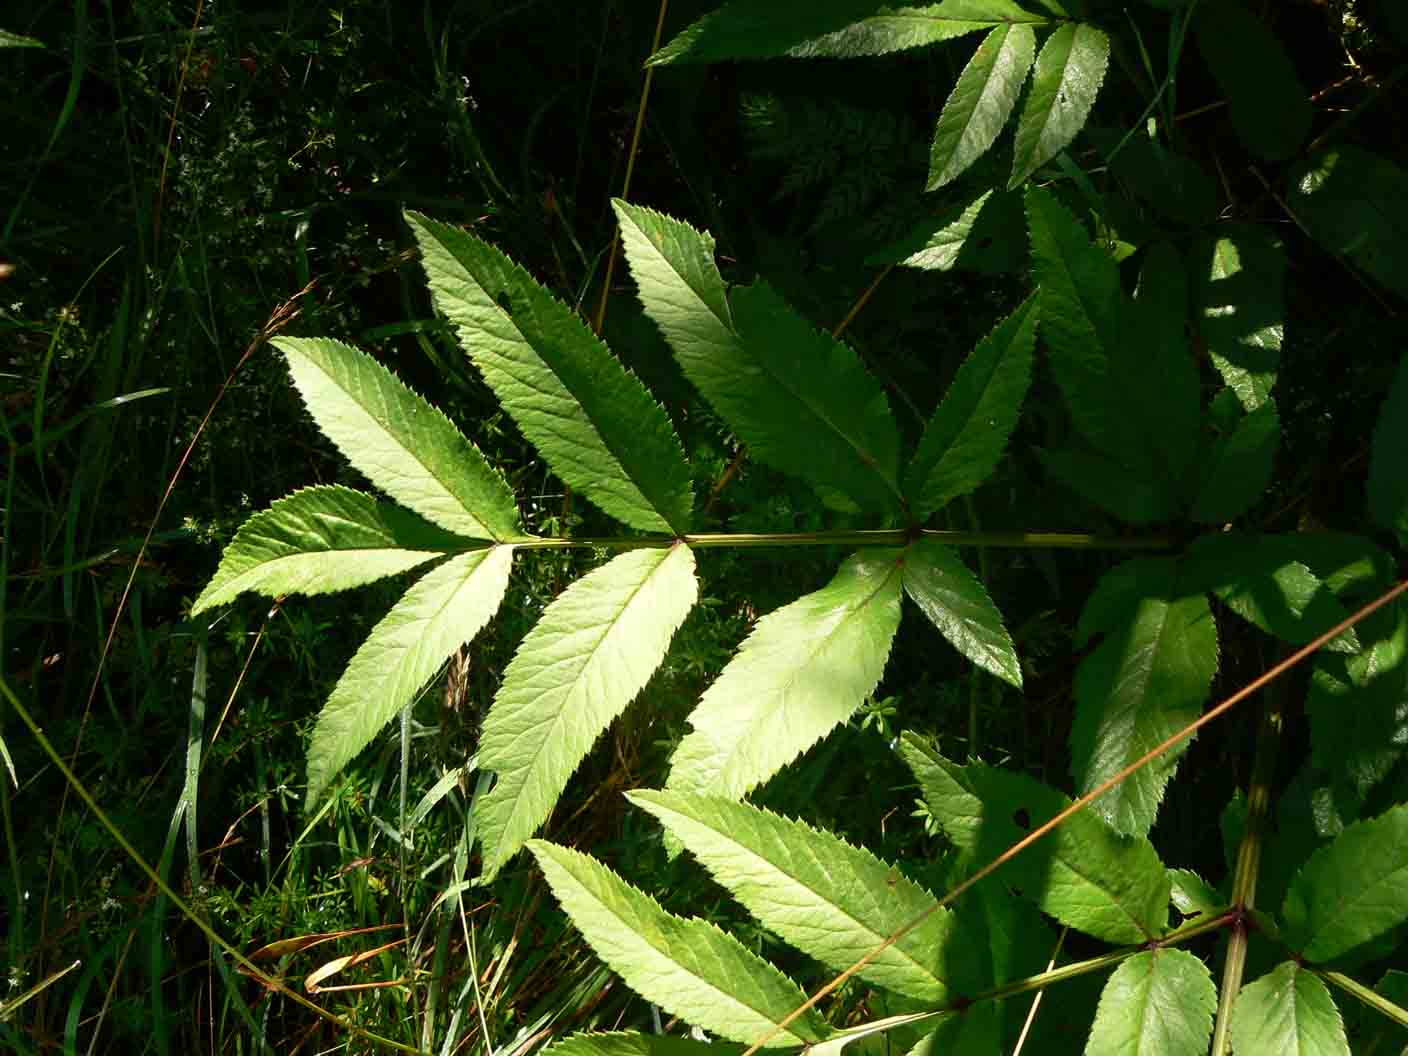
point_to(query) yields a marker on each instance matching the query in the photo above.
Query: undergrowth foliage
(1121, 325)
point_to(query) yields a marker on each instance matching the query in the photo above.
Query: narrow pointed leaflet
(805, 669)
(592, 651)
(398, 441)
(764, 29)
(1146, 681)
(832, 901)
(981, 101)
(802, 401)
(442, 611)
(590, 417)
(322, 540)
(968, 433)
(955, 601)
(1069, 72)
(689, 968)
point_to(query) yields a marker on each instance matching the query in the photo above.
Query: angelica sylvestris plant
(1152, 441)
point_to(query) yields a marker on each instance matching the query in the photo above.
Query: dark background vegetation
(168, 179)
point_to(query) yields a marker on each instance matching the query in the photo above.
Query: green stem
(1248, 865)
(866, 537)
(1371, 998)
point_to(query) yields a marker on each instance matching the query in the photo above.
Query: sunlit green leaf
(1069, 71)
(592, 419)
(832, 901)
(1083, 874)
(763, 29)
(968, 432)
(1243, 310)
(1146, 681)
(1156, 1003)
(689, 968)
(624, 1043)
(398, 441)
(805, 668)
(954, 599)
(1287, 1012)
(981, 101)
(592, 651)
(1259, 578)
(1352, 891)
(1193, 895)
(442, 611)
(322, 540)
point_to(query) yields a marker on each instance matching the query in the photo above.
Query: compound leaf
(592, 651)
(1069, 72)
(1156, 1003)
(398, 441)
(1287, 1011)
(764, 29)
(832, 901)
(804, 669)
(591, 418)
(1239, 467)
(1142, 684)
(441, 611)
(969, 431)
(938, 581)
(1388, 481)
(1351, 891)
(689, 968)
(1084, 874)
(322, 540)
(981, 101)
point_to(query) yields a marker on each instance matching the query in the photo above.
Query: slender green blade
(322, 540)
(832, 901)
(14, 40)
(1242, 305)
(937, 580)
(969, 431)
(398, 441)
(689, 968)
(1069, 71)
(765, 29)
(442, 611)
(1080, 305)
(1270, 108)
(805, 668)
(591, 418)
(1239, 467)
(1157, 1003)
(1261, 579)
(1352, 891)
(592, 651)
(1084, 873)
(1146, 681)
(981, 101)
(1287, 1012)
(939, 243)
(1388, 482)
(788, 392)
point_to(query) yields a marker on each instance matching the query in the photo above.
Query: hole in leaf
(1022, 819)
